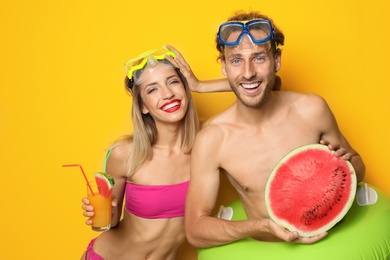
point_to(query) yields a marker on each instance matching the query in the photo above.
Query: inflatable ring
(364, 233)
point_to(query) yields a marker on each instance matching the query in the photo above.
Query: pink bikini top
(158, 201)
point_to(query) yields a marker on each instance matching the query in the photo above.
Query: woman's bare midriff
(140, 238)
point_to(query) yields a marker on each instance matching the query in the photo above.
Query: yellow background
(62, 101)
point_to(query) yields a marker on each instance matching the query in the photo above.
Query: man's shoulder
(310, 100)
(300, 98)
(220, 121)
(305, 105)
(212, 127)
(296, 94)
(216, 127)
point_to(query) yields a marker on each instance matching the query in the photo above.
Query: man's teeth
(169, 106)
(250, 86)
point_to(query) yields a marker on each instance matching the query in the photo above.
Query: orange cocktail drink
(100, 198)
(101, 220)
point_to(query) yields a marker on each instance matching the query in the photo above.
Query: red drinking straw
(85, 177)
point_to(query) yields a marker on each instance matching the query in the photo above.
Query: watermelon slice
(310, 190)
(104, 183)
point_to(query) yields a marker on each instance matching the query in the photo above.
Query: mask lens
(231, 32)
(134, 63)
(260, 31)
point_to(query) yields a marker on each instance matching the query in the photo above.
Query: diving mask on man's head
(147, 59)
(259, 31)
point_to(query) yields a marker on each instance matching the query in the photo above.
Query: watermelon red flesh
(104, 183)
(310, 190)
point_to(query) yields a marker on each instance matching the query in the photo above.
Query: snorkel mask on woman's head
(146, 59)
(259, 31)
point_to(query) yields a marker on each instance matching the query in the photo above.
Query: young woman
(151, 168)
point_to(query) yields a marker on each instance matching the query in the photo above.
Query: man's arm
(203, 230)
(323, 118)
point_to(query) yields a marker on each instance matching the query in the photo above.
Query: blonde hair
(145, 131)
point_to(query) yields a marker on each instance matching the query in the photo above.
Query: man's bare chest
(249, 159)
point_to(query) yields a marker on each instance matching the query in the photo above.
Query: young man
(246, 141)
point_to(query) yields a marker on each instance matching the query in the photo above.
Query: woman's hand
(88, 211)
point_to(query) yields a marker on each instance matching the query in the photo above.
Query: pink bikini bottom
(90, 254)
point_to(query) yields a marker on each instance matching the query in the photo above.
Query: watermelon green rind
(288, 211)
(105, 183)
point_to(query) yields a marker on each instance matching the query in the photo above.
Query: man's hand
(292, 236)
(338, 151)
